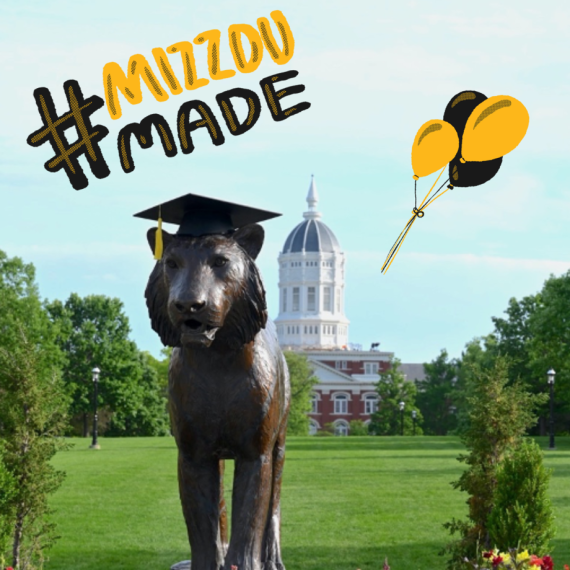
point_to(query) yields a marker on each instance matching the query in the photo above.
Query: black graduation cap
(199, 215)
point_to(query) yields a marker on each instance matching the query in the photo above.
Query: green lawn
(347, 503)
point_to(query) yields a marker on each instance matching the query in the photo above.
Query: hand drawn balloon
(476, 132)
(457, 113)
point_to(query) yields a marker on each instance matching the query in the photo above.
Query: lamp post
(95, 372)
(414, 416)
(402, 406)
(550, 375)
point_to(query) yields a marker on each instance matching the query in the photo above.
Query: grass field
(347, 503)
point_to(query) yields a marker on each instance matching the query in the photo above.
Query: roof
(311, 235)
(413, 371)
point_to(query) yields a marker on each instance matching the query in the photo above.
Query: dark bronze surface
(228, 394)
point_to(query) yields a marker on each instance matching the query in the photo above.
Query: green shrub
(358, 427)
(499, 416)
(522, 513)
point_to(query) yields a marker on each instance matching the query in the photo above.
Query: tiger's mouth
(194, 331)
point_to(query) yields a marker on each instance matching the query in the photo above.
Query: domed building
(311, 285)
(311, 320)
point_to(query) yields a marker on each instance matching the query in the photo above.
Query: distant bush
(358, 427)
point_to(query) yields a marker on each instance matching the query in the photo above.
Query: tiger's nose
(191, 306)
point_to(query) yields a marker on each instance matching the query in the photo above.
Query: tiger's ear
(151, 237)
(250, 238)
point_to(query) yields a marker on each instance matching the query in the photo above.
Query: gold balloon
(436, 143)
(494, 128)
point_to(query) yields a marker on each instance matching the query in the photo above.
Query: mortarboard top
(199, 215)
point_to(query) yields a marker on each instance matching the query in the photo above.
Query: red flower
(497, 560)
(547, 563)
(487, 554)
(9, 568)
(535, 561)
(566, 567)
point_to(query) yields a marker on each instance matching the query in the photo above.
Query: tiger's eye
(220, 261)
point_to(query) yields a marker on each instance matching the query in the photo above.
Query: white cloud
(468, 260)
(98, 250)
(492, 23)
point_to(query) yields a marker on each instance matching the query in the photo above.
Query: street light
(414, 416)
(550, 375)
(95, 372)
(402, 406)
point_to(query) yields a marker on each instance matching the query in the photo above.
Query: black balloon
(473, 173)
(456, 113)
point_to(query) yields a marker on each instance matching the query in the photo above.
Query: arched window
(340, 427)
(370, 403)
(340, 403)
(313, 427)
(314, 404)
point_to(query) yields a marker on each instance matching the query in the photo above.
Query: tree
(549, 345)
(392, 389)
(536, 336)
(32, 415)
(7, 495)
(143, 410)
(499, 416)
(513, 335)
(94, 332)
(302, 382)
(437, 395)
(480, 354)
(161, 367)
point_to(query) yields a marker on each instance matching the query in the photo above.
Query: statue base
(184, 565)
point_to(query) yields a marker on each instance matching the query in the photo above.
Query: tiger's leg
(271, 554)
(250, 505)
(223, 511)
(199, 485)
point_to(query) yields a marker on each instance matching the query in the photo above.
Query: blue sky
(374, 72)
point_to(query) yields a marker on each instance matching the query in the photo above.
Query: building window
(284, 299)
(313, 427)
(341, 364)
(297, 330)
(327, 301)
(311, 298)
(314, 404)
(370, 368)
(305, 329)
(296, 297)
(340, 404)
(341, 428)
(370, 404)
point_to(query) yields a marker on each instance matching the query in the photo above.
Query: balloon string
(418, 213)
(415, 194)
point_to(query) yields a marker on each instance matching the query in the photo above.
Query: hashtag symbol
(66, 154)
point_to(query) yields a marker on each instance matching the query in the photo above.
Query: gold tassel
(158, 246)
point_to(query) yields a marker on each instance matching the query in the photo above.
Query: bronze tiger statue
(228, 393)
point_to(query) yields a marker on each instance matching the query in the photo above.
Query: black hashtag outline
(67, 154)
